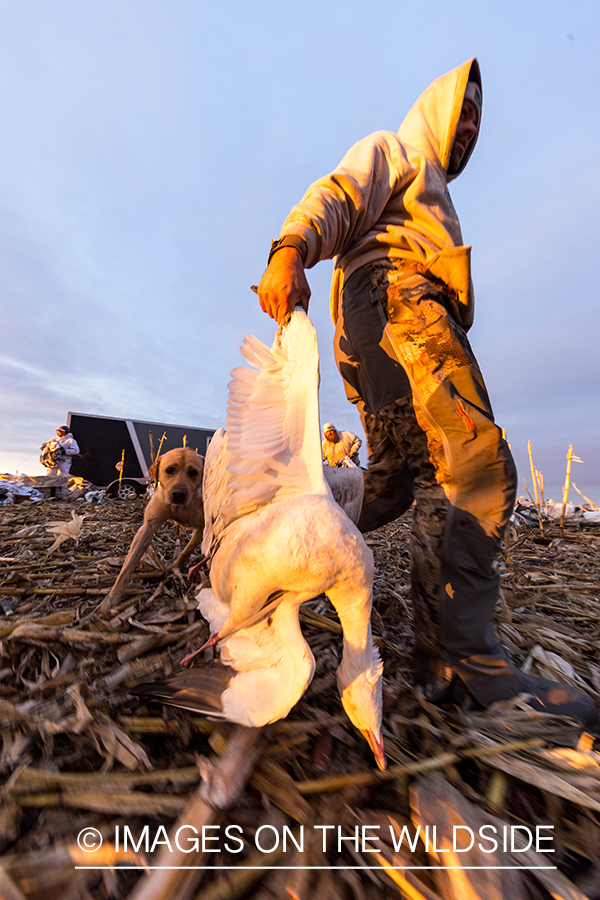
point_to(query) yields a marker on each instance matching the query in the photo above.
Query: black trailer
(103, 439)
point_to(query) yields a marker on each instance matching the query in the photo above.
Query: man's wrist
(289, 240)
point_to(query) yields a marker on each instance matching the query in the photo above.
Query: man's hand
(283, 285)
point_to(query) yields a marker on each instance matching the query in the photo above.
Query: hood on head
(430, 124)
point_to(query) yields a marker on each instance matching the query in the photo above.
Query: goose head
(361, 699)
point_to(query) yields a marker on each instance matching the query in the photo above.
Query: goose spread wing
(272, 447)
(263, 671)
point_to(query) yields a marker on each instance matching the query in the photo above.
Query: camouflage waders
(407, 363)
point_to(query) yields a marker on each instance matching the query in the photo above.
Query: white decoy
(276, 538)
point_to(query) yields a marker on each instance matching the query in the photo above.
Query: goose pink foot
(187, 660)
(194, 572)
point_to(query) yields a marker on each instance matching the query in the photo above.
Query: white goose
(276, 538)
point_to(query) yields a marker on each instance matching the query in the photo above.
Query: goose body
(276, 537)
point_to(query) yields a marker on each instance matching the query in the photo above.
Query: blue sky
(150, 151)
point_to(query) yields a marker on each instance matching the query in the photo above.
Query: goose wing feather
(272, 447)
(214, 489)
(199, 689)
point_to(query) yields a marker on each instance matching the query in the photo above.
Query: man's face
(468, 124)
(331, 435)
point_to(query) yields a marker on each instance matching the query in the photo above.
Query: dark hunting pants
(408, 365)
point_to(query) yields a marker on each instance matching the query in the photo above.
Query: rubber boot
(490, 679)
(468, 639)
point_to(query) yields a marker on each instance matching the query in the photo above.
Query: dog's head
(179, 474)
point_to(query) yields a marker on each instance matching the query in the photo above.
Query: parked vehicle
(102, 441)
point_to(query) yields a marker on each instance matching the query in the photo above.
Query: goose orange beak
(375, 742)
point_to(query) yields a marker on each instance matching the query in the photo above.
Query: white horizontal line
(306, 868)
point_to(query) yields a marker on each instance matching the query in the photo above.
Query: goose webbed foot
(187, 660)
(195, 571)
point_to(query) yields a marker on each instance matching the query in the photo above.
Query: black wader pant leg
(373, 378)
(448, 449)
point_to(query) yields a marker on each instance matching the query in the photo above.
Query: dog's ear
(199, 463)
(153, 472)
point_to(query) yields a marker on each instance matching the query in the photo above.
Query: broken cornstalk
(177, 876)
(565, 495)
(587, 499)
(540, 481)
(535, 488)
(163, 438)
(120, 467)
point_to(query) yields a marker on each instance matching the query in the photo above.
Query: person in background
(57, 453)
(337, 445)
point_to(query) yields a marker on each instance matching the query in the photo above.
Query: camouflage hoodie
(389, 198)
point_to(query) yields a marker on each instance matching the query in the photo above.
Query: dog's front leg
(139, 545)
(187, 550)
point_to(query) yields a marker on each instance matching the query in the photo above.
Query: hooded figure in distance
(337, 445)
(402, 302)
(57, 453)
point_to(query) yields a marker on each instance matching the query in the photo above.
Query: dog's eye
(169, 470)
(193, 473)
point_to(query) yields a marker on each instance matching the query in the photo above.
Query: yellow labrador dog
(178, 496)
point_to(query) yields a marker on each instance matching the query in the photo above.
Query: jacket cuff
(311, 237)
(289, 240)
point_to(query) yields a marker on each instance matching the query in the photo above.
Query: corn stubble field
(78, 751)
